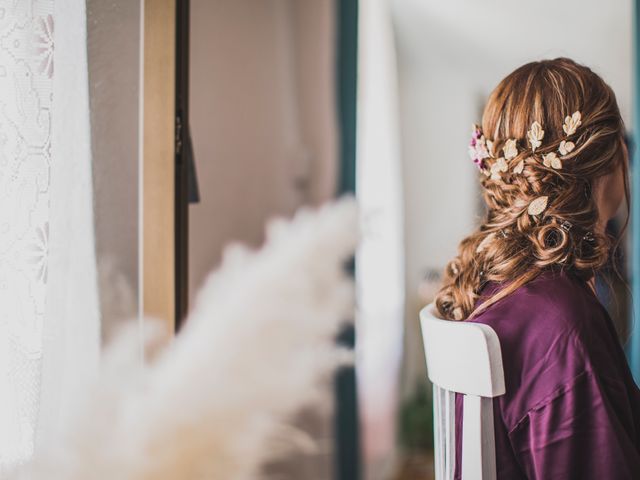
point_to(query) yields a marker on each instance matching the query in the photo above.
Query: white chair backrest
(465, 358)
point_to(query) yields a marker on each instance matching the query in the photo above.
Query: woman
(554, 167)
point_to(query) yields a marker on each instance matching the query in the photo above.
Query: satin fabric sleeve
(575, 433)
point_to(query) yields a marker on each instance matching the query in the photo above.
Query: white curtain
(72, 327)
(380, 259)
(48, 296)
(26, 70)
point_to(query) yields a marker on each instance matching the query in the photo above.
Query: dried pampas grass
(255, 350)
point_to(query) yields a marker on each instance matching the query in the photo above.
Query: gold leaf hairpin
(572, 123)
(537, 206)
(510, 150)
(566, 147)
(551, 160)
(500, 165)
(535, 135)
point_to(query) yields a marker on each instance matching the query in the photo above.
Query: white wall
(451, 54)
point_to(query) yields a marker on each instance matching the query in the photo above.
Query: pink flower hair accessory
(478, 149)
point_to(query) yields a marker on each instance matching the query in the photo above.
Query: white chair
(463, 357)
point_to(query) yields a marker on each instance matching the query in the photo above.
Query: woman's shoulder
(548, 331)
(554, 302)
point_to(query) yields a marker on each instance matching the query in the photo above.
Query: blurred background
(293, 102)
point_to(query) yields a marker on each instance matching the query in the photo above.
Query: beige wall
(262, 118)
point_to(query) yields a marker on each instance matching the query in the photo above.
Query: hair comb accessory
(478, 147)
(588, 237)
(566, 147)
(537, 206)
(510, 149)
(535, 135)
(481, 148)
(572, 123)
(499, 166)
(551, 160)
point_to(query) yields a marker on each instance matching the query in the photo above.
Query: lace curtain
(26, 72)
(46, 225)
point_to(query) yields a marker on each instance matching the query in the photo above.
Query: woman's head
(554, 167)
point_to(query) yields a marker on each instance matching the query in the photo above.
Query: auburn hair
(511, 246)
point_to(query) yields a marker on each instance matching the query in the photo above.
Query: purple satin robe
(571, 408)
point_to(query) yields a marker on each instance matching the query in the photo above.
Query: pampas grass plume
(258, 346)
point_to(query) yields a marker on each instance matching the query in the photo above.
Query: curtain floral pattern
(26, 73)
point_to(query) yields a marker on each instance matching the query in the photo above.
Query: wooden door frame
(164, 219)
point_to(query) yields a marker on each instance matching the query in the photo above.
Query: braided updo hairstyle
(513, 245)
